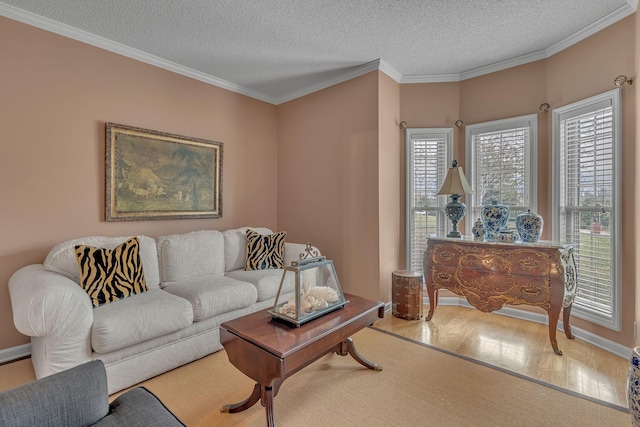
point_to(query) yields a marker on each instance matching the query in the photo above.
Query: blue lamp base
(455, 210)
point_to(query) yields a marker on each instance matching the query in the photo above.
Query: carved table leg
(245, 404)
(347, 347)
(554, 313)
(433, 301)
(566, 313)
(268, 404)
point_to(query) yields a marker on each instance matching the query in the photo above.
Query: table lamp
(456, 185)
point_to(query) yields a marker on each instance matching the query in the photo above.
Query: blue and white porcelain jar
(506, 235)
(633, 387)
(529, 226)
(495, 218)
(478, 230)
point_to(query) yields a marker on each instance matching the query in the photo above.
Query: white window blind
(428, 159)
(587, 202)
(501, 165)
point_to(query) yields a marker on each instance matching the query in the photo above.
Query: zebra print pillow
(265, 252)
(110, 275)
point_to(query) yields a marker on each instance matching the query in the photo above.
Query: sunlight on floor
(519, 346)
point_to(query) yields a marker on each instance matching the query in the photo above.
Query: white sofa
(195, 281)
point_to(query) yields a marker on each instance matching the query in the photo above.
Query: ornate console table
(493, 274)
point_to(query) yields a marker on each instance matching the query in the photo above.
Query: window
(586, 201)
(502, 166)
(428, 159)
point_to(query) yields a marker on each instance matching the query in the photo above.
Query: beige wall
(328, 178)
(636, 195)
(585, 69)
(328, 168)
(428, 105)
(390, 183)
(339, 179)
(56, 95)
(513, 92)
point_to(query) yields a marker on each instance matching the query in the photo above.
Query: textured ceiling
(276, 50)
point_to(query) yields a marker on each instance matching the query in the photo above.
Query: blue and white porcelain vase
(529, 226)
(478, 230)
(633, 387)
(495, 218)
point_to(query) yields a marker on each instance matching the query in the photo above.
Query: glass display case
(317, 291)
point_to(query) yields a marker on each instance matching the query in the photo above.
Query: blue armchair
(79, 397)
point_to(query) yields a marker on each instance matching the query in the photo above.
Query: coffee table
(269, 351)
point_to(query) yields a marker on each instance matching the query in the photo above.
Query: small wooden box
(406, 289)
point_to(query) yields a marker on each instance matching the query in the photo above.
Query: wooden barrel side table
(406, 289)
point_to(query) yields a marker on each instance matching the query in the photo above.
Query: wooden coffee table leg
(347, 347)
(268, 405)
(245, 404)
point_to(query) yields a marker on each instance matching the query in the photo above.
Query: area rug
(418, 386)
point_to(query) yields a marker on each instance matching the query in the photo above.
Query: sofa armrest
(292, 252)
(57, 313)
(76, 397)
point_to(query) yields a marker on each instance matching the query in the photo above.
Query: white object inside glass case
(317, 292)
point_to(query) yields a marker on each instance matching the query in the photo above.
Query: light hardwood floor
(520, 346)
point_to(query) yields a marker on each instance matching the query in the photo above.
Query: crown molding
(350, 73)
(503, 65)
(613, 17)
(602, 23)
(83, 36)
(390, 71)
(111, 46)
(431, 78)
(480, 71)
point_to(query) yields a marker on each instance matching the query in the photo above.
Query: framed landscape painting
(155, 175)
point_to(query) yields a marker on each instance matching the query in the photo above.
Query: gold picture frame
(153, 175)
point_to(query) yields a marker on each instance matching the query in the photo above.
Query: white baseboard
(13, 353)
(598, 341)
(9, 354)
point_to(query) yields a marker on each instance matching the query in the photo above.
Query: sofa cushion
(235, 246)
(190, 255)
(110, 275)
(138, 318)
(211, 296)
(265, 252)
(62, 258)
(266, 282)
